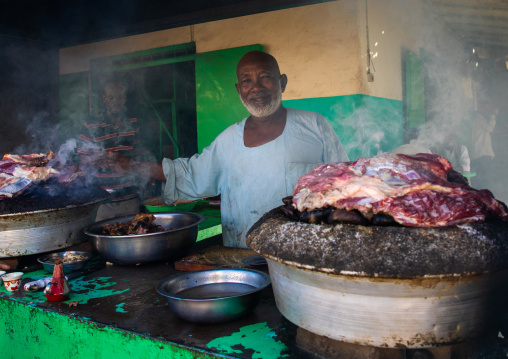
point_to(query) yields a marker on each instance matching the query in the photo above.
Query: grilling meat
(34, 160)
(421, 190)
(403, 198)
(19, 172)
(142, 223)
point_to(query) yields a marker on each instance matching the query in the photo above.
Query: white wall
(316, 45)
(77, 58)
(397, 26)
(322, 47)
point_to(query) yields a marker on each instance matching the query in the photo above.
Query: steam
(366, 131)
(41, 137)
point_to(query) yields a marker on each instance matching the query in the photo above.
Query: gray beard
(264, 111)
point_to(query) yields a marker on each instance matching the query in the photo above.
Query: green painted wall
(52, 335)
(217, 102)
(364, 124)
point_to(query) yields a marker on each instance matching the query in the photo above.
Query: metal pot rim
(161, 285)
(367, 275)
(95, 201)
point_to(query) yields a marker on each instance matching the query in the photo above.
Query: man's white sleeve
(193, 178)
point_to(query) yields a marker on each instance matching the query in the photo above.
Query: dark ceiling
(62, 23)
(480, 23)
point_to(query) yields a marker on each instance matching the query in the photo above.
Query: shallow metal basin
(142, 248)
(214, 296)
(48, 261)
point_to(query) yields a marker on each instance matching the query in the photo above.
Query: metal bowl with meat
(151, 237)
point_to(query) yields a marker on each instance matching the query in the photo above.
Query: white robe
(252, 180)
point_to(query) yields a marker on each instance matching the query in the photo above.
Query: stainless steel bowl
(48, 261)
(142, 248)
(214, 296)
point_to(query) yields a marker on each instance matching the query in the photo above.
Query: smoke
(41, 136)
(367, 126)
(366, 133)
(447, 107)
(457, 81)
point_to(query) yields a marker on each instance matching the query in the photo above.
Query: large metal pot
(45, 230)
(177, 241)
(384, 312)
(391, 286)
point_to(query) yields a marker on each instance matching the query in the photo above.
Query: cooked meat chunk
(142, 223)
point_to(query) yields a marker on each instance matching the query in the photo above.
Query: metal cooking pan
(46, 230)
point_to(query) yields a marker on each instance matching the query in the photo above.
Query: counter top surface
(125, 298)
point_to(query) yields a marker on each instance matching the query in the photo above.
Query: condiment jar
(58, 288)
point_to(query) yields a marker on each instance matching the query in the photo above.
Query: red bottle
(58, 289)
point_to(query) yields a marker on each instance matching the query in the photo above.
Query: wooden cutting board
(214, 257)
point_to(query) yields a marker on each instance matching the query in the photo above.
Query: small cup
(12, 281)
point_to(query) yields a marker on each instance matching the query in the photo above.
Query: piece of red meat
(19, 172)
(414, 190)
(436, 209)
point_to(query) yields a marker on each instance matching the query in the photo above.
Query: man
(106, 145)
(254, 163)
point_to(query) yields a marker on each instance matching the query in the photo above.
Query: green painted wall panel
(415, 92)
(365, 124)
(217, 102)
(29, 332)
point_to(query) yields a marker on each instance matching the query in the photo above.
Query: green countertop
(212, 224)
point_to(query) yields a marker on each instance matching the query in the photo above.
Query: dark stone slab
(393, 251)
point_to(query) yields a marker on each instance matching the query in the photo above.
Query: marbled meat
(18, 172)
(414, 190)
(142, 223)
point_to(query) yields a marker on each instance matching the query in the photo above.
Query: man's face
(260, 87)
(114, 98)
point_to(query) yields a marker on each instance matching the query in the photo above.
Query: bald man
(256, 162)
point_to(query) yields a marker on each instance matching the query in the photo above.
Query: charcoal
(52, 195)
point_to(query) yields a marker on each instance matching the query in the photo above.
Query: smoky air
(457, 82)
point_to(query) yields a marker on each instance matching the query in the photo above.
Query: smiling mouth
(259, 100)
